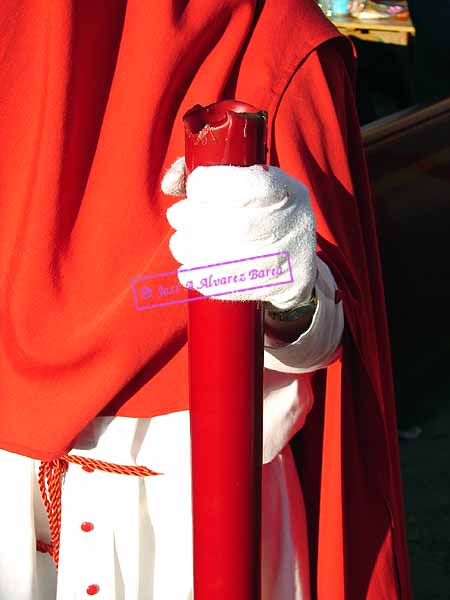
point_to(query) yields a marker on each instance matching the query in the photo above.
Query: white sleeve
(317, 347)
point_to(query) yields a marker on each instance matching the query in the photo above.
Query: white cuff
(317, 347)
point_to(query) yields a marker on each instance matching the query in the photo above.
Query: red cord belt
(50, 484)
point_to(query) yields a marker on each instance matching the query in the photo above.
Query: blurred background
(403, 99)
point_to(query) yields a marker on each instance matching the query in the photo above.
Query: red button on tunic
(92, 589)
(86, 526)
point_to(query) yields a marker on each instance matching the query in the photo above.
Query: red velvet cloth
(91, 99)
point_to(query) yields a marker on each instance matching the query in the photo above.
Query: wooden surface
(387, 31)
(408, 158)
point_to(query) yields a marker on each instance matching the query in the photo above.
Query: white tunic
(140, 546)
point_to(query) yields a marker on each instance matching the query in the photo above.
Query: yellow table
(386, 31)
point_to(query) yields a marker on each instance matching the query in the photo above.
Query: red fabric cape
(91, 99)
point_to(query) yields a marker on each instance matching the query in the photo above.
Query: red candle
(225, 379)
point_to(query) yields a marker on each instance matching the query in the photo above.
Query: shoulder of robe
(283, 36)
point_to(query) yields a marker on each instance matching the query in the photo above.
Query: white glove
(235, 213)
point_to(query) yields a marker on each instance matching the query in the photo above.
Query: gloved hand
(232, 213)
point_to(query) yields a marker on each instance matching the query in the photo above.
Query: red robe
(91, 99)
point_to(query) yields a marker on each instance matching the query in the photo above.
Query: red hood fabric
(91, 100)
